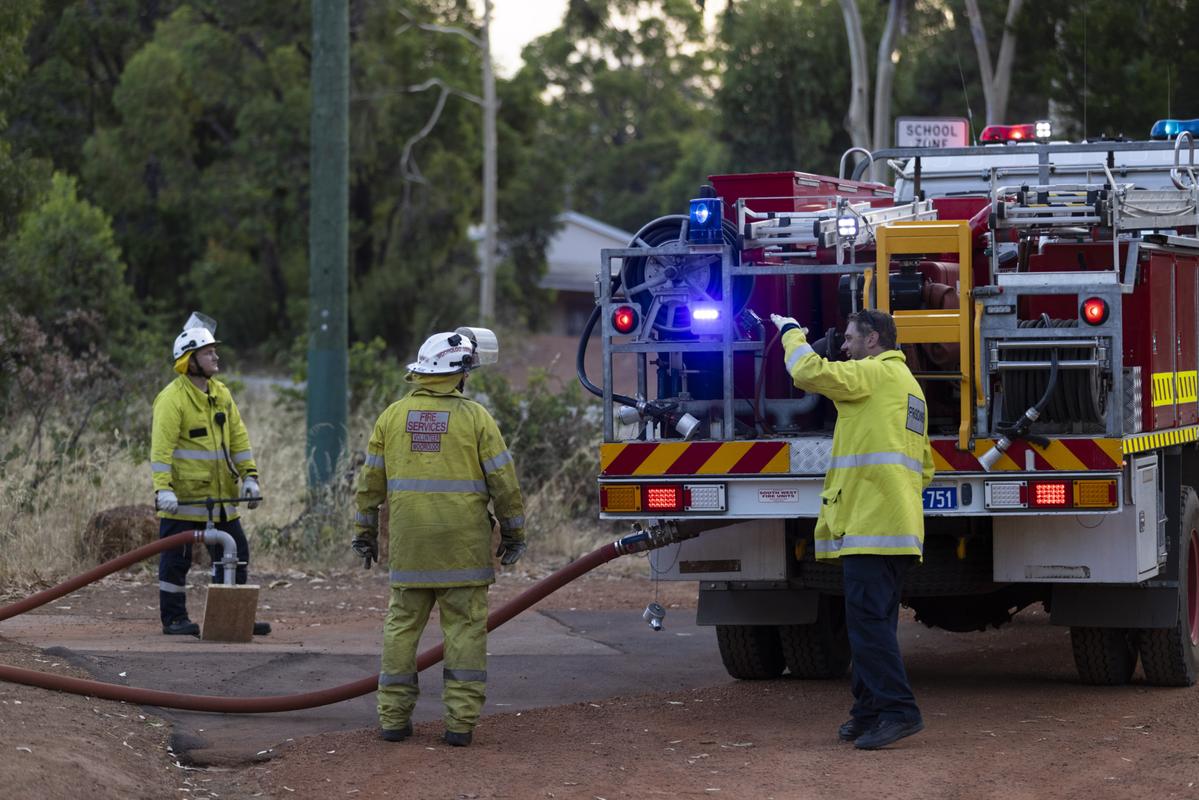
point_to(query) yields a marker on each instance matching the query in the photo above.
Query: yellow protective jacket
(195, 456)
(438, 458)
(881, 460)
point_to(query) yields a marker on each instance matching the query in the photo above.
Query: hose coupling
(653, 615)
(659, 534)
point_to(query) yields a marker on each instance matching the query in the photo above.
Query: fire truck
(1046, 296)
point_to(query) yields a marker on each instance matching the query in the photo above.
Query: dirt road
(1004, 717)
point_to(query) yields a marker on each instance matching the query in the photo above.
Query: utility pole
(328, 240)
(490, 176)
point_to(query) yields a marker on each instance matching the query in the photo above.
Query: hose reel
(666, 285)
(1080, 394)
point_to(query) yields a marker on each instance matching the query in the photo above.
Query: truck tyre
(820, 649)
(1104, 656)
(1168, 655)
(750, 652)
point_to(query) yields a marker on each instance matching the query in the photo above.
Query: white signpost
(932, 132)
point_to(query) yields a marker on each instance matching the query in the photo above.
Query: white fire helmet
(199, 331)
(443, 354)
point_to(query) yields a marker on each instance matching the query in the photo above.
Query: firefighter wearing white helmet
(438, 460)
(199, 449)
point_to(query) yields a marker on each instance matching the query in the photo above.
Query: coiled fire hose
(636, 542)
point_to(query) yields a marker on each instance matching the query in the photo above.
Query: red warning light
(1008, 133)
(1094, 311)
(1051, 494)
(664, 498)
(624, 319)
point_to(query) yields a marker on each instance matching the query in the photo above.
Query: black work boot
(887, 732)
(181, 627)
(262, 628)
(396, 734)
(455, 739)
(854, 728)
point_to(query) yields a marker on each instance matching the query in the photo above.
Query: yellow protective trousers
(463, 611)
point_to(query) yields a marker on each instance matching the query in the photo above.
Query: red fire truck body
(1054, 328)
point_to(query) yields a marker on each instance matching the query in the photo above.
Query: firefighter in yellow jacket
(438, 460)
(199, 449)
(871, 513)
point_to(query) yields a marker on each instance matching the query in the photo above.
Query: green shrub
(552, 433)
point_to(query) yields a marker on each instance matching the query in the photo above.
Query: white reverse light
(1007, 494)
(847, 227)
(704, 497)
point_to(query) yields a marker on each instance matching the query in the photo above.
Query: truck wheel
(750, 652)
(820, 649)
(1168, 655)
(1103, 656)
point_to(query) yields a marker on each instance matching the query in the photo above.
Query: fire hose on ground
(640, 540)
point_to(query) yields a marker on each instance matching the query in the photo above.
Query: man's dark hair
(881, 323)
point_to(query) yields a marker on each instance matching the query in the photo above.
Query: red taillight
(624, 319)
(1008, 133)
(1050, 494)
(1094, 311)
(663, 498)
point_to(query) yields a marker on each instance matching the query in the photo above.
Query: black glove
(368, 549)
(510, 551)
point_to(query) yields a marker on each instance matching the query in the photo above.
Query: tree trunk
(885, 79)
(978, 33)
(1007, 55)
(996, 80)
(857, 122)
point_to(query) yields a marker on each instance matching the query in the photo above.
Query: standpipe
(640, 540)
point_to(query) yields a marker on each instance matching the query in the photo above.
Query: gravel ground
(1005, 720)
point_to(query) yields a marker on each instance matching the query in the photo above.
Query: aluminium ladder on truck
(1130, 217)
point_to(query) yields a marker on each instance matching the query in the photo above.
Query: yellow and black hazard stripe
(1174, 387)
(695, 458)
(1152, 441)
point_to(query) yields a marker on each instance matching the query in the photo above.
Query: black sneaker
(181, 627)
(261, 628)
(851, 730)
(396, 734)
(888, 731)
(455, 739)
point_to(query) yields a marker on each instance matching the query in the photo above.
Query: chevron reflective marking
(695, 458)
(1068, 455)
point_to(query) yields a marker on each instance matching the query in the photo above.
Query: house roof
(573, 254)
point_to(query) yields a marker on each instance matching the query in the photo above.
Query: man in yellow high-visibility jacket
(437, 459)
(199, 449)
(872, 512)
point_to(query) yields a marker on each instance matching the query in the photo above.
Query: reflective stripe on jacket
(881, 461)
(438, 458)
(188, 447)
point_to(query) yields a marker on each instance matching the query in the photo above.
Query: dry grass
(41, 522)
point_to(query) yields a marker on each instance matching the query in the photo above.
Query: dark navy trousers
(174, 564)
(878, 680)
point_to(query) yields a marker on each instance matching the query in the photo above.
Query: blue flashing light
(704, 227)
(705, 318)
(1169, 128)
